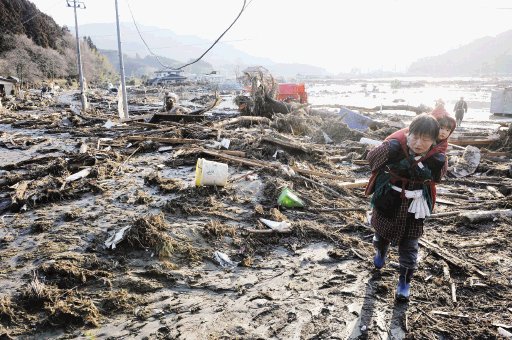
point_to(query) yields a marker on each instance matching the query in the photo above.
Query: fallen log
(483, 216)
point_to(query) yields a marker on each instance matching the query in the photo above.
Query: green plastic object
(289, 199)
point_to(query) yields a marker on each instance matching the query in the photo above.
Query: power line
(202, 55)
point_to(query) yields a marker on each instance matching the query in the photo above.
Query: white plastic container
(369, 141)
(211, 173)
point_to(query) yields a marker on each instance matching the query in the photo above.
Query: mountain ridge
(223, 56)
(483, 56)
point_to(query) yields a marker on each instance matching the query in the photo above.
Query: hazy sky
(335, 34)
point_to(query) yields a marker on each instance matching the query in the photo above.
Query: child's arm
(438, 166)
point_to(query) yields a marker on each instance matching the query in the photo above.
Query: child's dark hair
(424, 124)
(446, 123)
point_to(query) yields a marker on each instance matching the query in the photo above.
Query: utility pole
(79, 4)
(121, 66)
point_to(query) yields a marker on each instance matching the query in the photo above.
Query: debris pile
(105, 221)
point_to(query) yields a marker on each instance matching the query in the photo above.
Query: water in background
(409, 91)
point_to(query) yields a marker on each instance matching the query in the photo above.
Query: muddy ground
(58, 280)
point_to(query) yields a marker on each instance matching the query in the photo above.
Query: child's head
(423, 132)
(446, 123)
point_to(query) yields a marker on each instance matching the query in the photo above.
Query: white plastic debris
(327, 139)
(504, 333)
(83, 148)
(282, 227)
(278, 151)
(224, 143)
(224, 260)
(117, 237)
(108, 124)
(287, 170)
(467, 163)
(165, 148)
(80, 174)
(102, 140)
(370, 141)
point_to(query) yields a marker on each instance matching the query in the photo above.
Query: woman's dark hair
(424, 124)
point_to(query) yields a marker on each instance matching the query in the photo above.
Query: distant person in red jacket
(460, 108)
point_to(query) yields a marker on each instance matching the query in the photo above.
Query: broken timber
(450, 258)
(242, 119)
(166, 140)
(267, 165)
(482, 216)
(159, 117)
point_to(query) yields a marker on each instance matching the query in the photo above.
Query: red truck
(292, 92)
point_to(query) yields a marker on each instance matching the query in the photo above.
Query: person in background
(460, 108)
(405, 170)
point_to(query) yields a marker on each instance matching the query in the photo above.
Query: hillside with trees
(482, 57)
(35, 49)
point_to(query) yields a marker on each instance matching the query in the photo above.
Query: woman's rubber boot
(404, 284)
(381, 249)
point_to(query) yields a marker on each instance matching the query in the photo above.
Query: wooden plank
(240, 160)
(320, 174)
(443, 201)
(351, 185)
(454, 294)
(165, 140)
(463, 316)
(285, 144)
(445, 214)
(482, 216)
(476, 244)
(473, 142)
(242, 119)
(450, 258)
